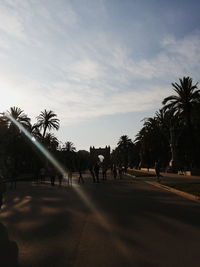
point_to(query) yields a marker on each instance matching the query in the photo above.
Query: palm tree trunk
(45, 128)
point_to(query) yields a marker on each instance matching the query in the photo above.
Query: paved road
(113, 223)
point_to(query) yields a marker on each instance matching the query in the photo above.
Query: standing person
(60, 178)
(157, 170)
(120, 172)
(96, 172)
(13, 179)
(80, 179)
(92, 174)
(114, 172)
(52, 174)
(104, 173)
(69, 177)
(42, 174)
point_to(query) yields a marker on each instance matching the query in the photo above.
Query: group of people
(118, 171)
(11, 178)
(95, 172)
(52, 174)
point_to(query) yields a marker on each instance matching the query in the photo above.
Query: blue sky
(101, 65)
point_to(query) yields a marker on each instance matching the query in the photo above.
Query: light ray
(102, 218)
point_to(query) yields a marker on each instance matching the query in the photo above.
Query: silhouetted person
(13, 179)
(60, 178)
(92, 174)
(114, 172)
(70, 177)
(157, 170)
(120, 172)
(104, 173)
(42, 174)
(52, 176)
(96, 172)
(80, 179)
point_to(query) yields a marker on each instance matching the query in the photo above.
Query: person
(42, 174)
(157, 170)
(96, 172)
(13, 179)
(114, 172)
(52, 175)
(70, 177)
(92, 174)
(80, 179)
(104, 173)
(120, 172)
(123, 170)
(60, 178)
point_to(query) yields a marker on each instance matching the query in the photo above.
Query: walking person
(92, 174)
(80, 179)
(104, 173)
(157, 170)
(115, 172)
(13, 179)
(96, 172)
(42, 174)
(52, 174)
(69, 177)
(60, 178)
(120, 172)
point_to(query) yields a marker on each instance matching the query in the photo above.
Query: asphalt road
(113, 223)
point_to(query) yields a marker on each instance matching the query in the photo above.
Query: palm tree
(124, 141)
(48, 120)
(171, 129)
(35, 131)
(51, 141)
(18, 115)
(124, 145)
(187, 95)
(69, 147)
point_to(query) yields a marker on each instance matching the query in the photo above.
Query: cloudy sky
(101, 65)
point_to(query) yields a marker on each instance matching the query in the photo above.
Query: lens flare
(102, 218)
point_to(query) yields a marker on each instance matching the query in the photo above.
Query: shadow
(8, 249)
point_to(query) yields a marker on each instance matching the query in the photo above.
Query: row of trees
(171, 136)
(18, 154)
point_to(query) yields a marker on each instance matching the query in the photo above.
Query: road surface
(113, 223)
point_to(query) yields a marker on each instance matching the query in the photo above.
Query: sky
(100, 65)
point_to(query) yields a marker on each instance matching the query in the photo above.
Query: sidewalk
(172, 177)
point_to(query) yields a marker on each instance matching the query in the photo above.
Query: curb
(175, 191)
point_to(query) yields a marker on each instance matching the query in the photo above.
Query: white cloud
(81, 74)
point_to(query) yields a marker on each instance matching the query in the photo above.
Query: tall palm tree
(48, 120)
(187, 95)
(124, 145)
